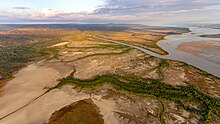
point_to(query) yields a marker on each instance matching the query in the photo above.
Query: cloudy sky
(110, 11)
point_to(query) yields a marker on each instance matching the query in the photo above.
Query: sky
(155, 12)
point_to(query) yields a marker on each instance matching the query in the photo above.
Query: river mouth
(202, 59)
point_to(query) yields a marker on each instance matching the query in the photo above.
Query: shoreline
(210, 67)
(155, 54)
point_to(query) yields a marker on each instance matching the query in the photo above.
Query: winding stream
(171, 43)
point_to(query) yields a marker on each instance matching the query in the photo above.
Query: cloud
(21, 8)
(125, 11)
(163, 11)
(122, 7)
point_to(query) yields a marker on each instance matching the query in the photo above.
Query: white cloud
(160, 11)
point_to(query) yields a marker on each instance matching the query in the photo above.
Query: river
(171, 43)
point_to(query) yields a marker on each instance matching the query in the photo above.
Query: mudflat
(28, 84)
(209, 50)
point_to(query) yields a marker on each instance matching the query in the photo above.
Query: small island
(211, 35)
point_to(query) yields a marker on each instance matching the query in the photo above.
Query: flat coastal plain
(77, 77)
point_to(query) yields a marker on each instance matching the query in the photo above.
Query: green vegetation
(163, 64)
(81, 112)
(161, 112)
(182, 95)
(18, 51)
(14, 58)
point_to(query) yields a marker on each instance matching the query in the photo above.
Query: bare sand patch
(60, 44)
(28, 84)
(40, 111)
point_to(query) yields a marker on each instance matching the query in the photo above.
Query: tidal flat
(73, 70)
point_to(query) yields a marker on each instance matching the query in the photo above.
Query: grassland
(146, 39)
(81, 112)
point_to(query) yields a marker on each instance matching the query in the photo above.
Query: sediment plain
(118, 84)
